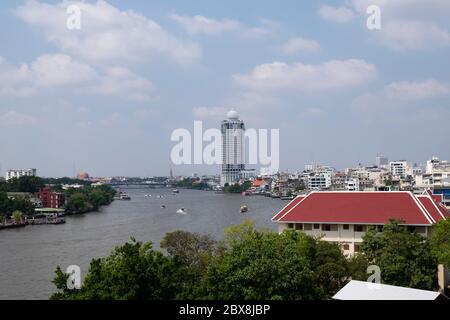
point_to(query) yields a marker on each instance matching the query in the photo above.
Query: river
(29, 256)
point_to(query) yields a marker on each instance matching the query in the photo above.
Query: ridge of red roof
(364, 207)
(430, 206)
(289, 206)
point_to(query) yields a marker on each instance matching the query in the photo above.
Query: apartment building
(17, 173)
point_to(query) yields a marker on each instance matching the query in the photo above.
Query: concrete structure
(17, 173)
(319, 181)
(437, 175)
(344, 217)
(51, 199)
(399, 168)
(352, 184)
(381, 161)
(233, 152)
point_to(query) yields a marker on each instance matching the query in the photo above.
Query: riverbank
(38, 250)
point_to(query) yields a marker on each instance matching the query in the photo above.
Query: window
(346, 227)
(346, 247)
(316, 226)
(360, 228)
(290, 225)
(307, 226)
(298, 226)
(329, 227)
(357, 247)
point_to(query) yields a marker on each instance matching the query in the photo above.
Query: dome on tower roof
(232, 114)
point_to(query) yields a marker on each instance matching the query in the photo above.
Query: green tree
(440, 242)
(133, 271)
(265, 265)
(404, 257)
(17, 216)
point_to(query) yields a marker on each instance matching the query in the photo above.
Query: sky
(105, 98)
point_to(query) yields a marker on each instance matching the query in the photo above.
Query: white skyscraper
(233, 152)
(19, 173)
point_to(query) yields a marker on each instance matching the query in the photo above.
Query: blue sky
(106, 98)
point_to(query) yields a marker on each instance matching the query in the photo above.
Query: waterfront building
(51, 199)
(344, 217)
(17, 173)
(233, 152)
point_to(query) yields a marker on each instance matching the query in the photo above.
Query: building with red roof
(344, 217)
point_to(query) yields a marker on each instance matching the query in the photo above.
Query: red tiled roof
(288, 207)
(257, 183)
(431, 207)
(356, 207)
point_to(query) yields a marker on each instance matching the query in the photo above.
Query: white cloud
(413, 91)
(336, 14)
(411, 9)
(16, 119)
(123, 81)
(200, 24)
(413, 35)
(203, 113)
(52, 71)
(299, 44)
(405, 24)
(107, 33)
(334, 74)
(402, 94)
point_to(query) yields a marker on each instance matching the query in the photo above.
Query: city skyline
(105, 99)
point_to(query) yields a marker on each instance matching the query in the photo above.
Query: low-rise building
(51, 199)
(344, 217)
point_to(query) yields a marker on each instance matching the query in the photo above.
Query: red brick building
(51, 199)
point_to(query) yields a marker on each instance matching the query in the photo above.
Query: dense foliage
(88, 198)
(237, 188)
(192, 183)
(252, 264)
(28, 184)
(9, 205)
(440, 242)
(405, 258)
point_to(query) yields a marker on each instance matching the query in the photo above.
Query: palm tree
(17, 216)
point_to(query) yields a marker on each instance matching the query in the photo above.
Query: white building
(319, 181)
(11, 174)
(352, 184)
(399, 168)
(233, 152)
(437, 174)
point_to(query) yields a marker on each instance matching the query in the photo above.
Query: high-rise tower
(233, 156)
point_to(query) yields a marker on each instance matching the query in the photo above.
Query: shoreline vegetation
(257, 264)
(18, 205)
